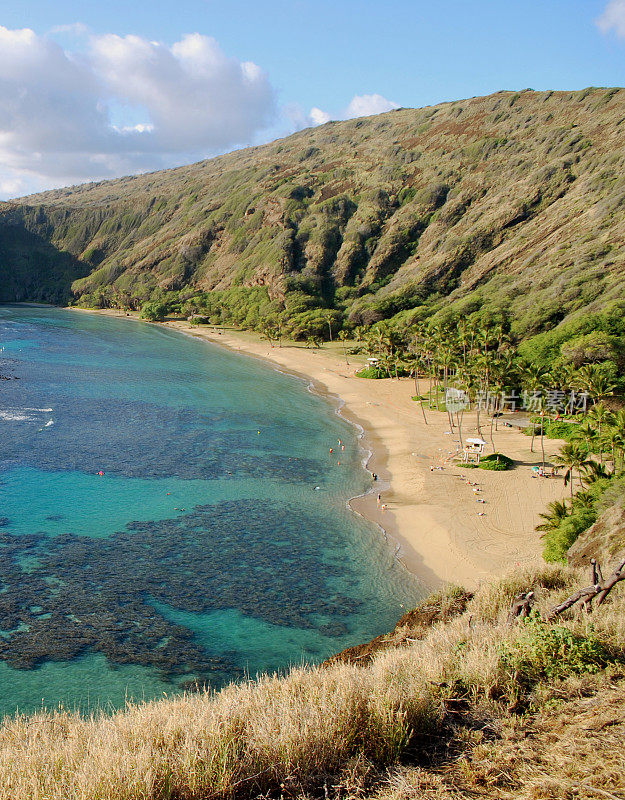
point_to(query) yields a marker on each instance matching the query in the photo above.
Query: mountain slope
(515, 200)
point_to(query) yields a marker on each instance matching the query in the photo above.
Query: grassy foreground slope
(512, 201)
(459, 704)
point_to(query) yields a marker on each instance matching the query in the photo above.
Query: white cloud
(74, 29)
(57, 109)
(613, 18)
(361, 105)
(319, 117)
(365, 105)
(11, 186)
(196, 98)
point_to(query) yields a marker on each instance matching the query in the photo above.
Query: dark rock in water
(111, 595)
(334, 629)
(413, 625)
(192, 686)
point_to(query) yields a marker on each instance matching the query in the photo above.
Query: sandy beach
(445, 535)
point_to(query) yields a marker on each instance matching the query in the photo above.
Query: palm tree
(618, 427)
(447, 364)
(343, 336)
(465, 382)
(414, 363)
(378, 335)
(463, 339)
(399, 360)
(430, 350)
(498, 388)
(586, 433)
(594, 380)
(327, 315)
(552, 519)
(583, 501)
(507, 374)
(268, 332)
(359, 333)
(385, 362)
(536, 379)
(602, 416)
(613, 441)
(567, 378)
(312, 340)
(434, 340)
(500, 334)
(595, 472)
(446, 361)
(483, 343)
(572, 458)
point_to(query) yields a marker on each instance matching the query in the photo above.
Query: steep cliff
(515, 201)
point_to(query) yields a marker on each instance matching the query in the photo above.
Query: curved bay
(216, 543)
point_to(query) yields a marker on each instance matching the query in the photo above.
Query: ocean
(171, 517)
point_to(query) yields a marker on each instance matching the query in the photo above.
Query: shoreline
(442, 535)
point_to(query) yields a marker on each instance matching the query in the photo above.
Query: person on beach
(379, 500)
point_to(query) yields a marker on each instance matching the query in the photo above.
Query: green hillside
(514, 201)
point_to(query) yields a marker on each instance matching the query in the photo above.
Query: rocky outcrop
(604, 541)
(415, 624)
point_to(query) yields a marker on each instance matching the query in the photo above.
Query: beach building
(473, 450)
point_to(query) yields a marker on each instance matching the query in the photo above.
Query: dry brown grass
(443, 701)
(572, 748)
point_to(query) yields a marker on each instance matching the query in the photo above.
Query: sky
(97, 90)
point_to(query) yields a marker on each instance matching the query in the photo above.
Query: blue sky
(111, 101)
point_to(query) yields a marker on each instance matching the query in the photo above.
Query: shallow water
(216, 543)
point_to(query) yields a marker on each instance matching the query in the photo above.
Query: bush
(558, 541)
(154, 312)
(496, 462)
(371, 372)
(555, 652)
(560, 430)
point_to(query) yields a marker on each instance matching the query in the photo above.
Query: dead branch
(597, 576)
(617, 575)
(521, 607)
(522, 603)
(583, 594)
(599, 590)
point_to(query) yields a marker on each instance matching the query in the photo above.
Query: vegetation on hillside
(478, 245)
(567, 388)
(430, 712)
(508, 203)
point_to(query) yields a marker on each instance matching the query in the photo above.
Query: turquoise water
(170, 517)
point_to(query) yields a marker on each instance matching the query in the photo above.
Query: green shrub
(496, 462)
(371, 372)
(154, 312)
(555, 652)
(560, 430)
(558, 541)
